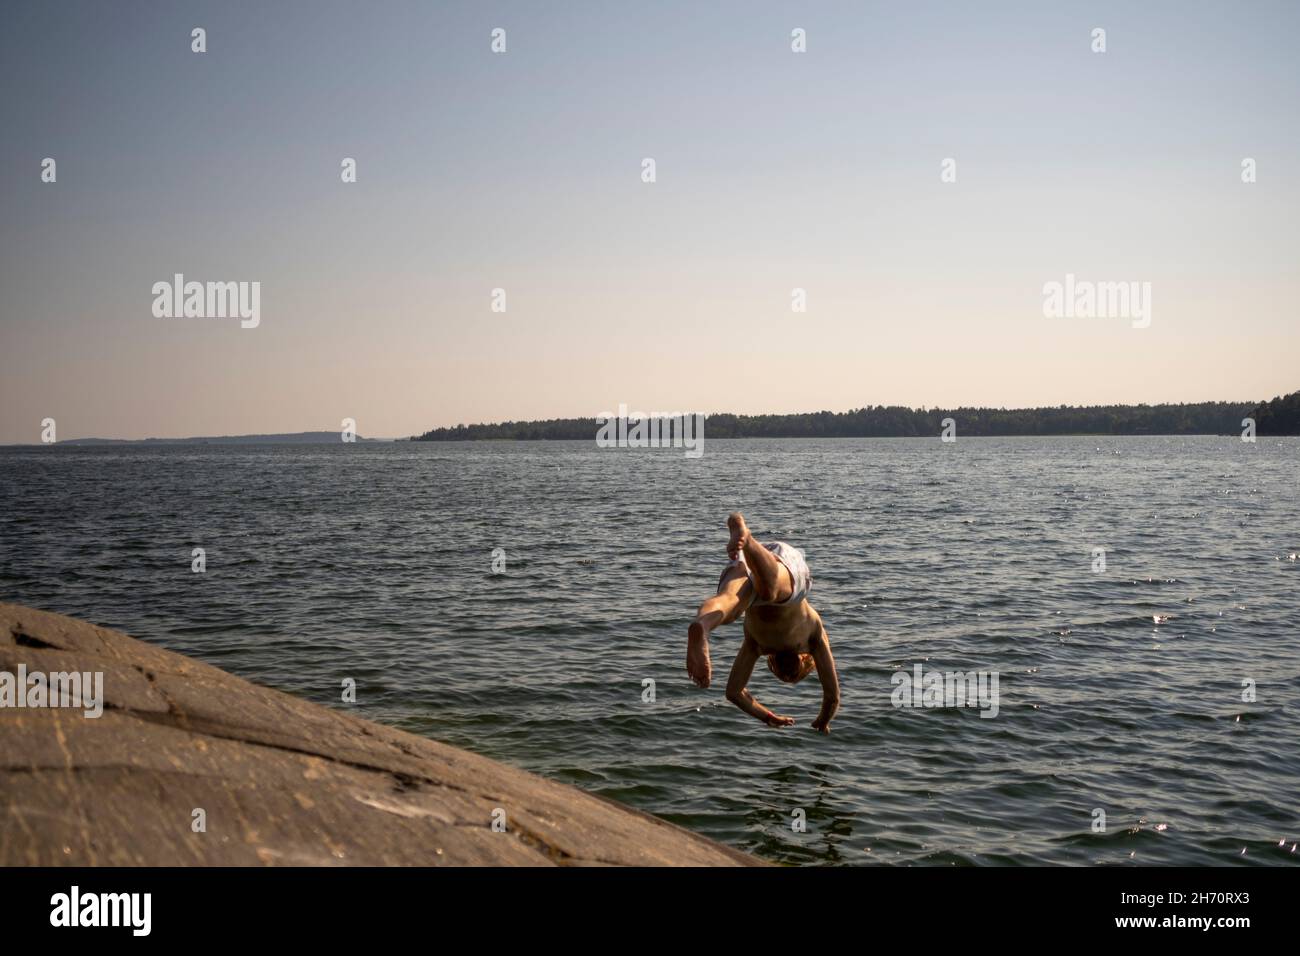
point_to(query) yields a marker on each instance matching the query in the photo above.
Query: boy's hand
(821, 652)
(776, 720)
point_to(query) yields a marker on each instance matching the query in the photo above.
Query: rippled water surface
(374, 561)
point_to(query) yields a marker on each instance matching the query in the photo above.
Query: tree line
(1281, 416)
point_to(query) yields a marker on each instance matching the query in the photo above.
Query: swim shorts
(794, 562)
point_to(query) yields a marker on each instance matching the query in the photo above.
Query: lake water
(375, 562)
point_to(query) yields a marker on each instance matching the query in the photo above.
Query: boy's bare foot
(739, 534)
(698, 664)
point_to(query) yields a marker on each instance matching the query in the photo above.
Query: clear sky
(775, 170)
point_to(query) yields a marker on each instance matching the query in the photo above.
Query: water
(374, 562)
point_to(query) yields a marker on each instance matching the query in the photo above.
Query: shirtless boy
(768, 584)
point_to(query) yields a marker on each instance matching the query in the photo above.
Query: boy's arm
(738, 691)
(820, 645)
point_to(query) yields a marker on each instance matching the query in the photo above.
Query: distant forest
(1281, 416)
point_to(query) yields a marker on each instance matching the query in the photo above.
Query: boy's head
(790, 666)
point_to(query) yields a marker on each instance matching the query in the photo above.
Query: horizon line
(194, 439)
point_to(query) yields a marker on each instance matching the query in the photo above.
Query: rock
(278, 780)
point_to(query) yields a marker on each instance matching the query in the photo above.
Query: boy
(769, 585)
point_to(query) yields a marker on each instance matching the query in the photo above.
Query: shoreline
(77, 443)
(189, 765)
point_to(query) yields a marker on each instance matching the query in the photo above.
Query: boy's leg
(771, 578)
(734, 595)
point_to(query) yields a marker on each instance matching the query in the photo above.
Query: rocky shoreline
(189, 765)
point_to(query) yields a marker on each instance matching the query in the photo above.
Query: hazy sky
(775, 170)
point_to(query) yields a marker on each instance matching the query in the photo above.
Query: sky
(523, 171)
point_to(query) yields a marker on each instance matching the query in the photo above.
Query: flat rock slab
(278, 780)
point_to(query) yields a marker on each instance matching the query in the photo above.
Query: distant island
(1281, 416)
(290, 438)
